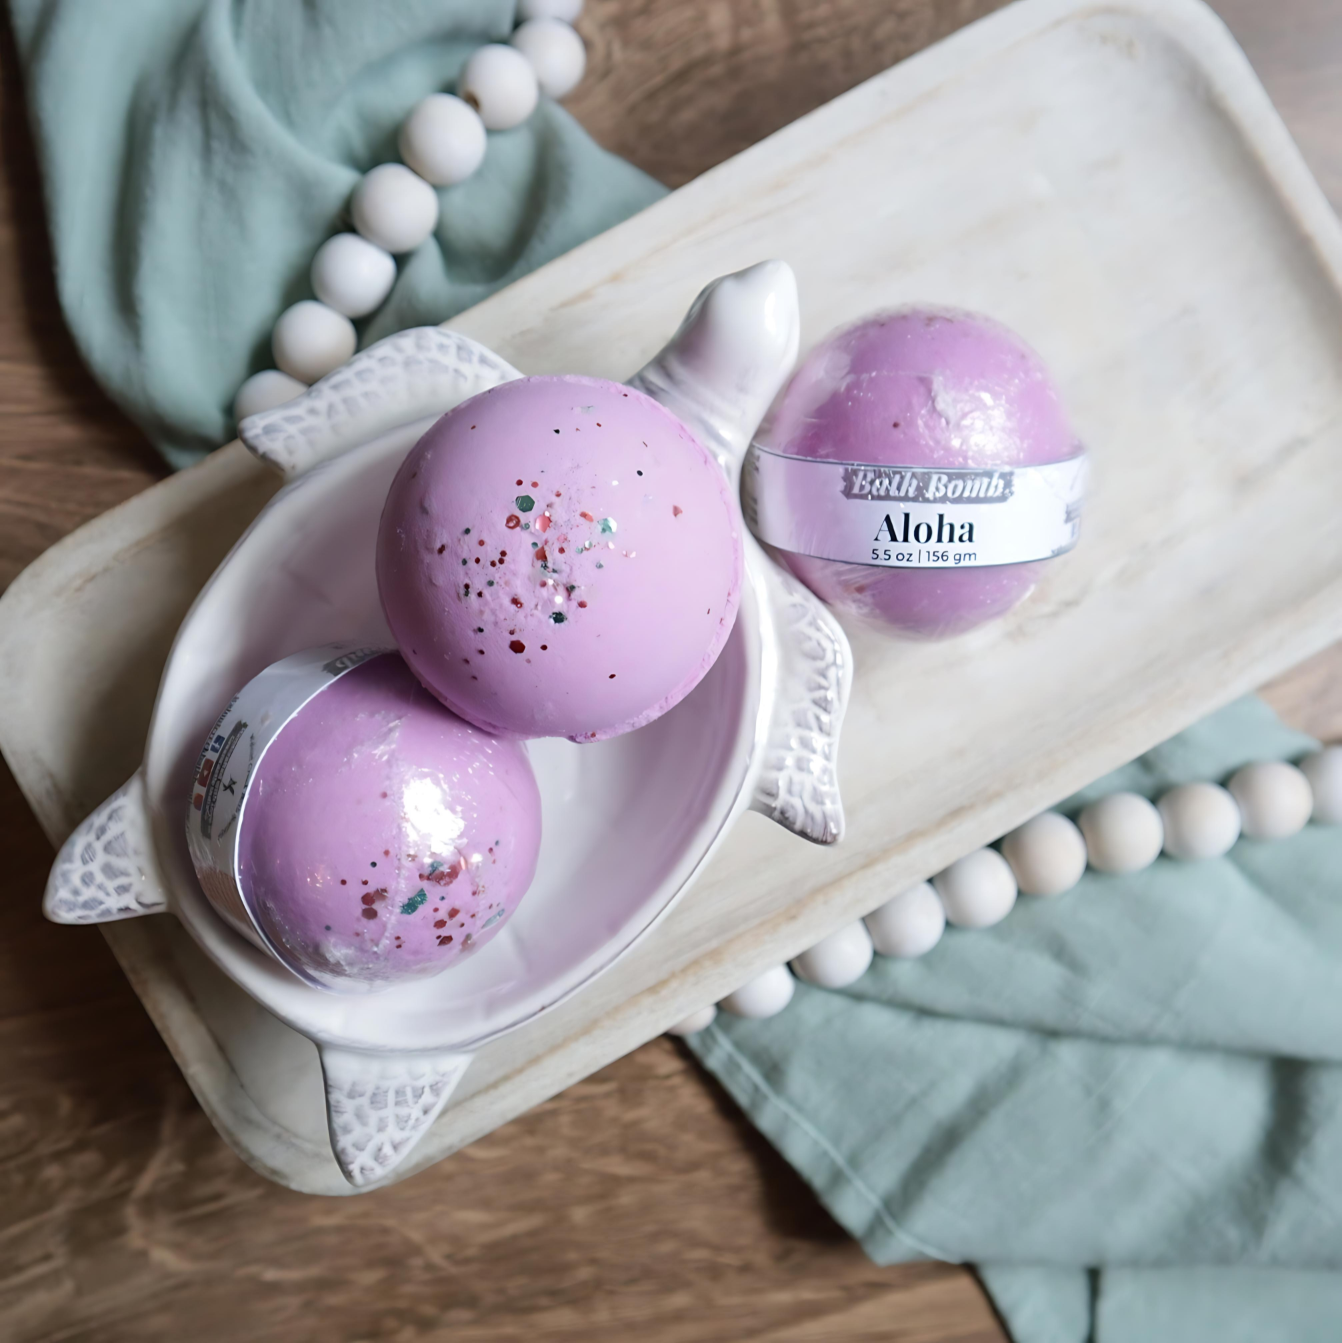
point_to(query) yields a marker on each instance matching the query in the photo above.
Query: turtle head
(722, 369)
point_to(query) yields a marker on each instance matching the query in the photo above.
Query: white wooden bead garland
(394, 208)
(1121, 833)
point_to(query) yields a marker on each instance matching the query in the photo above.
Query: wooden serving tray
(1110, 180)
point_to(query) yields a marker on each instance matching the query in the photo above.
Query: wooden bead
(838, 960)
(500, 84)
(568, 10)
(1274, 799)
(695, 1022)
(909, 925)
(443, 139)
(556, 53)
(310, 340)
(978, 890)
(394, 208)
(265, 391)
(1323, 769)
(1201, 821)
(764, 996)
(1047, 854)
(352, 275)
(1123, 833)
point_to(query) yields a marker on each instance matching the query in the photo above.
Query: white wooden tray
(1111, 180)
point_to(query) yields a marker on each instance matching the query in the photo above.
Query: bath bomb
(560, 557)
(933, 389)
(382, 838)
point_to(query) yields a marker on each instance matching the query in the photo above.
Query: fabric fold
(196, 153)
(1114, 1102)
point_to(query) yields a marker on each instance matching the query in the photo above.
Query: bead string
(1045, 857)
(394, 207)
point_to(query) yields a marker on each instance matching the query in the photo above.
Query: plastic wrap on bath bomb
(377, 838)
(560, 557)
(916, 471)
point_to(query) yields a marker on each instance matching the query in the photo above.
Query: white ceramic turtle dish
(626, 822)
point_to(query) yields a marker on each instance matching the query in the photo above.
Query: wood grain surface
(638, 1203)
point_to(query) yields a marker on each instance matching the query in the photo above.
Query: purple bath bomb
(921, 387)
(560, 557)
(383, 839)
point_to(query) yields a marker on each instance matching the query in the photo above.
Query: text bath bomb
(383, 838)
(560, 557)
(889, 471)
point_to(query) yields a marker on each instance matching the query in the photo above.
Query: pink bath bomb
(383, 839)
(920, 387)
(560, 557)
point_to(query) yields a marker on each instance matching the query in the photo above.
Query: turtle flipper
(105, 870)
(378, 1106)
(799, 784)
(416, 373)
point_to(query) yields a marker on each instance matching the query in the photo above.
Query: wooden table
(638, 1203)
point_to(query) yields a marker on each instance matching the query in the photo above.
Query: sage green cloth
(196, 153)
(1123, 1105)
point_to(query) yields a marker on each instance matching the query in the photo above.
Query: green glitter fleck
(607, 526)
(468, 531)
(525, 503)
(558, 617)
(489, 583)
(415, 901)
(599, 565)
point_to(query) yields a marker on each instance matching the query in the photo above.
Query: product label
(227, 766)
(913, 517)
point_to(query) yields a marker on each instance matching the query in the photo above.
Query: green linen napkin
(196, 153)
(1123, 1105)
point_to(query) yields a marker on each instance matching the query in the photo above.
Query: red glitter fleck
(519, 482)
(535, 484)
(453, 912)
(368, 898)
(343, 882)
(503, 554)
(561, 550)
(583, 605)
(442, 548)
(481, 541)
(588, 516)
(612, 676)
(676, 510)
(445, 941)
(370, 913)
(545, 648)
(512, 522)
(518, 646)
(543, 523)
(517, 602)
(541, 555)
(440, 923)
